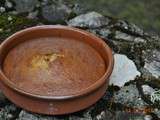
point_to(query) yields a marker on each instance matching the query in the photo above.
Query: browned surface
(53, 66)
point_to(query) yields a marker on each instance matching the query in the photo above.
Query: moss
(9, 24)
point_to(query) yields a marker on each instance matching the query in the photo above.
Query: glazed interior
(53, 62)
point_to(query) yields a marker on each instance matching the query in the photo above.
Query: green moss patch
(9, 24)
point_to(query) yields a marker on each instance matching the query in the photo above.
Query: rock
(84, 117)
(32, 15)
(128, 44)
(107, 96)
(14, 12)
(123, 36)
(157, 112)
(44, 2)
(2, 9)
(139, 40)
(129, 38)
(128, 116)
(89, 20)
(135, 29)
(105, 115)
(152, 62)
(8, 4)
(122, 24)
(87, 114)
(148, 117)
(1, 30)
(147, 90)
(8, 112)
(101, 32)
(129, 96)
(24, 115)
(104, 33)
(77, 118)
(77, 9)
(124, 70)
(10, 18)
(25, 5)
(56, 13)
(101, 116)
(129, 27)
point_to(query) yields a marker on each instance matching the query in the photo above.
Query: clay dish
(54, 69)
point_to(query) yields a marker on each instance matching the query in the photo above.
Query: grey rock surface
(8, 4)
(25, 5)
(105, 115)
(157, 112)
(152, 62)
(101, 32)
(147, 90)
(9, 112)
(128, 116)
(56, 13)
(129, 38)
(124, 36)
(148, 117)
(124, 70)
(2, 9)
(129, 27)
(24, 115)
(32, 15)
(130, 96)
(89, 20)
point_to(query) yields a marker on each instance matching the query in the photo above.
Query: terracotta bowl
(54, 69)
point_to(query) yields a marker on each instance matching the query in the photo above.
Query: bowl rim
(83, 92)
